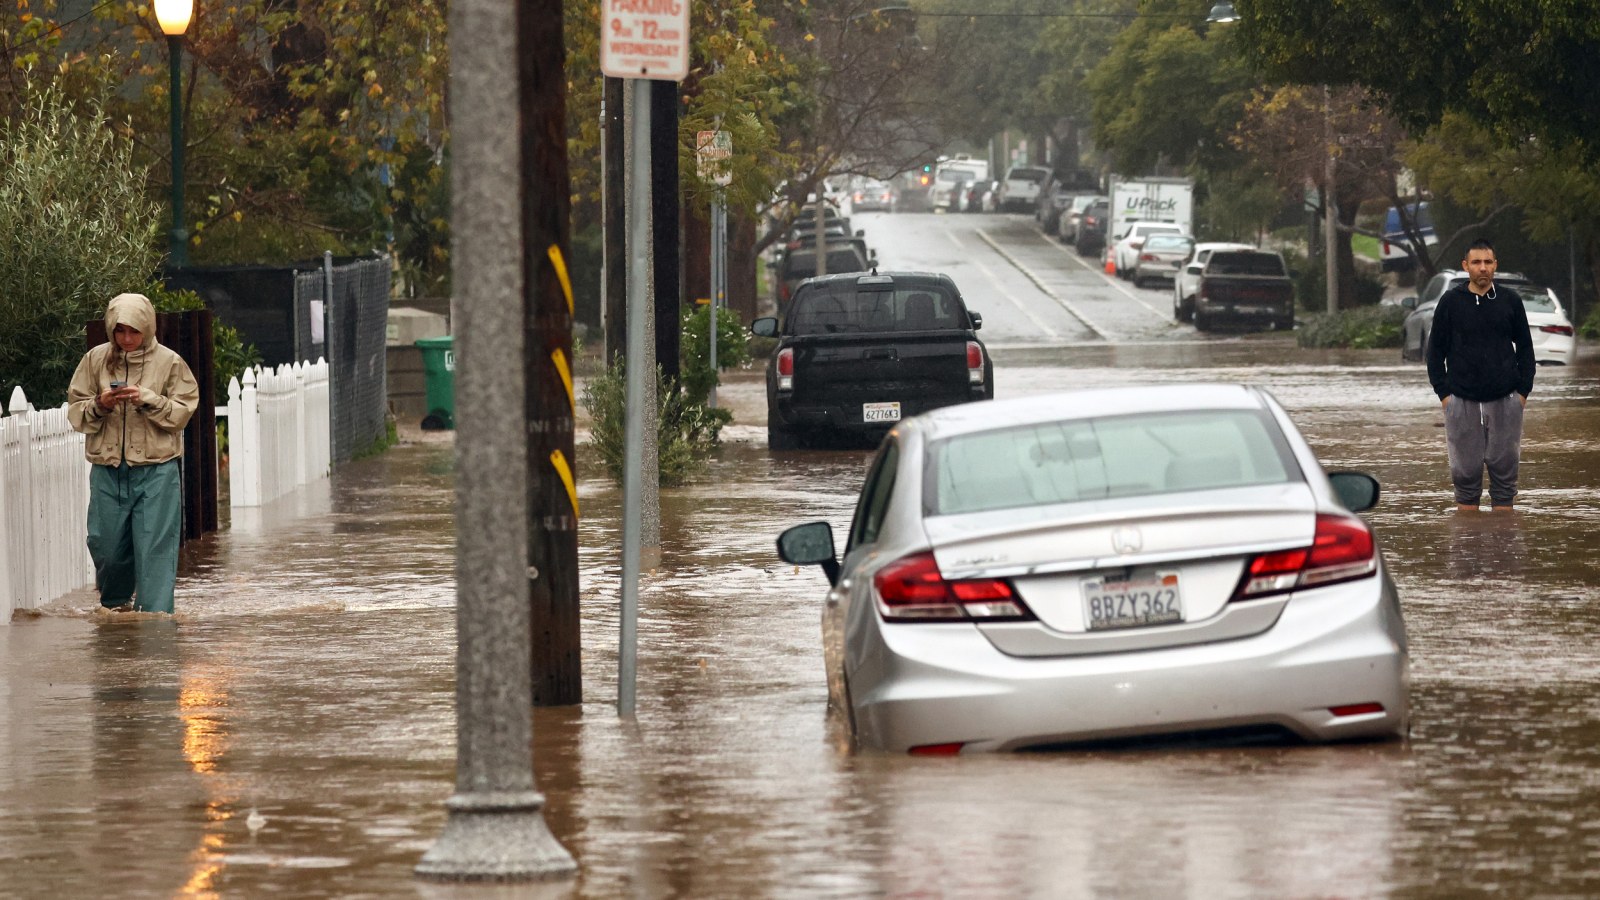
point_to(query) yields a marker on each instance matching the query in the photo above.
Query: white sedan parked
(1125, 252)
(1108, 564)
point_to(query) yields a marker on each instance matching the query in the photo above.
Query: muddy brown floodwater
(292, 733)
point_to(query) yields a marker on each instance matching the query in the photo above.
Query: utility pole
(1330, 206)
(615, 301)
(556, 664)
(664, 202)
(496, 829)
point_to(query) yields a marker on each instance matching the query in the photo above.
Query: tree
(309, 124)
(76, 229)
(1521, 69)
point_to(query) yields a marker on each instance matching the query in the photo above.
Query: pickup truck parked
(1248, 287)
(858, 353)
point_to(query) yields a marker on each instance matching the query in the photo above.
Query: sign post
(642, 41)
(713, 151)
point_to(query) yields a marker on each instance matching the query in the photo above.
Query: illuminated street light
(174, 16)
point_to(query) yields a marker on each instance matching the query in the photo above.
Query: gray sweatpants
(1484, 434)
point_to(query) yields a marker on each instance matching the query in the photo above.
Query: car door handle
(839, 591)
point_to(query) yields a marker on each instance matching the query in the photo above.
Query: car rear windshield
(861, 312)
(1168, 242)
(1245, 263)
(1536, 300)
(804, 265)
(1033, 175)
(1106, 458)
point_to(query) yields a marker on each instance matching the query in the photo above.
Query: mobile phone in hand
(118, 385)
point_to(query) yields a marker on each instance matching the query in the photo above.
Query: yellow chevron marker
(560, 359)
(561, 273)
(565, 471)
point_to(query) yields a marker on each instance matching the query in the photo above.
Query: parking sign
(645, 39)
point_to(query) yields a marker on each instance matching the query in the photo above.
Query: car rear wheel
(1202, 322)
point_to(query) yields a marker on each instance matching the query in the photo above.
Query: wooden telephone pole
(547, 358)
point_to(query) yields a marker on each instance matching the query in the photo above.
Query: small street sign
(645, 39)
(713, 151)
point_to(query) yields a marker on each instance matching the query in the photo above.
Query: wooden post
(555, 665)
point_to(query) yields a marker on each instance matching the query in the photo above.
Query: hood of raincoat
(135, 311)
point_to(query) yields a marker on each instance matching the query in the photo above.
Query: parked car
(1054, 199)
(800, 263)
(1090, 237)
(1550, 331)
(942, 194)
(1117, 563)
(1019, 190)
(1396, 247)
(1161, 257)
(1067, 225)
(1244, 287)
(1125, 252)
(1188, 278)
(857, 353)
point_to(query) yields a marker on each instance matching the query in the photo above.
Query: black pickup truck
(857, 353)
(1250, 287)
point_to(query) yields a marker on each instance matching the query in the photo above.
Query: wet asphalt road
(309, 677)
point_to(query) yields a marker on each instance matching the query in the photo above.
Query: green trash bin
(439, 366)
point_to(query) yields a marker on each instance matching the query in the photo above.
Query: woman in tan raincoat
(131, 397)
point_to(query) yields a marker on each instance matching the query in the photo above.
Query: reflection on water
(309, 678)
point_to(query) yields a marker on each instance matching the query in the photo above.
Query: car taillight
(1341, 550)
(1557, 329)
(913, 589)
(1147, 257)
(974, 363)
(786, 369)
(783, 292)
(858, 196)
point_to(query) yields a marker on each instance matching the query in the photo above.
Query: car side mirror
(1358, 491)
(810, 544)
(861, 232)
(766, 326)
(1194, 269)
(977, 319)
(1408, 302)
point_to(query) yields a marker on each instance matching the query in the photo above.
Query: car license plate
(1132, 603)
(880, 412)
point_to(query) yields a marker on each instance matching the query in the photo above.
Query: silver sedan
(1104, 565)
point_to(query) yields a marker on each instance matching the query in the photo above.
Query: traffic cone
(1111, 266)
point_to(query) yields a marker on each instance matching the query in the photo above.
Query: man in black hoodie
(1480, 360)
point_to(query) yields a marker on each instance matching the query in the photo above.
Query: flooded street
(293, 732)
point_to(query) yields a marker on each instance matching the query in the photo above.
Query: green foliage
(390, 437)
(296, 114)
(1311, 280)
(1590, 329)
(687, 432)
(76, 229)
(1365, 328)
(695, 349)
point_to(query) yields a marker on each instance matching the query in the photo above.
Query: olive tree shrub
(76, 229)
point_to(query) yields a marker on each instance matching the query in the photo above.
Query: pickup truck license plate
(1132, 604)
(880, 412)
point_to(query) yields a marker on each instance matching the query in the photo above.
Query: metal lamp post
(174, 16)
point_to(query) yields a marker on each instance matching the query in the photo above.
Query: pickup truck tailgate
(920, 371)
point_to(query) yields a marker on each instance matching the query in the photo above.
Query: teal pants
(135, 515)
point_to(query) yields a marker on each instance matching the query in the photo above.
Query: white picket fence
(278, 437)
(44, 507)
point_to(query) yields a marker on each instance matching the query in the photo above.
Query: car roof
(883, 280)
(1089, 403)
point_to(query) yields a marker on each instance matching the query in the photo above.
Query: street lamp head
(174, 16)
(1223, 13)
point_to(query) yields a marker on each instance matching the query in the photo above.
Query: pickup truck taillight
(783, 292)
(786, 369)
(974, 363)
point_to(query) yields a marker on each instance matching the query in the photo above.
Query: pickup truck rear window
(1237, 263)
(866, 312)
